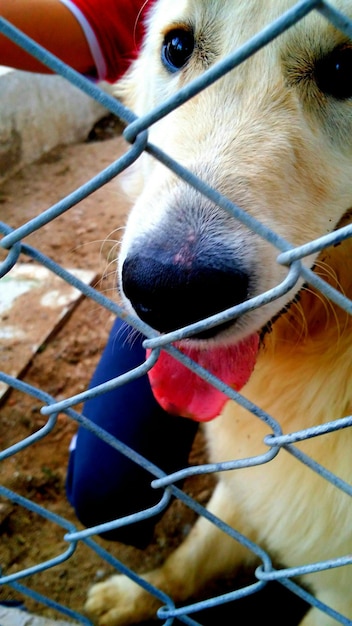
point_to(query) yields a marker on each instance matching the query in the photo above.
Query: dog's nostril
(168, 296)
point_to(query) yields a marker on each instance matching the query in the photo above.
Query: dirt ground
(85, 237)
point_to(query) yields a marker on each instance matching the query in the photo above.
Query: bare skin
(51, 24)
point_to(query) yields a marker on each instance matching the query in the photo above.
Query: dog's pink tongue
(181, 392)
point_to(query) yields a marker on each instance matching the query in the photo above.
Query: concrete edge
(37, 113)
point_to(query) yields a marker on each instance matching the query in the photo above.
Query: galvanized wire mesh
(13, 241)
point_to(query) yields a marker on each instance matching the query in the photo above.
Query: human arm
(51, 24)
(97, 38)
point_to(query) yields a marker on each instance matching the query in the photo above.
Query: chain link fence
(14, 243)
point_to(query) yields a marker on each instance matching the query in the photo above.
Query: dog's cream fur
(268, 139)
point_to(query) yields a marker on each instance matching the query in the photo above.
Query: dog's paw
(119, 601)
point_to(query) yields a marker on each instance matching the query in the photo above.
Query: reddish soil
(84, 237)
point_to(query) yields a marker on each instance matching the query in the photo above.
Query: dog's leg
(206, 553)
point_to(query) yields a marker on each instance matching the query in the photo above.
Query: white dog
(274, 136)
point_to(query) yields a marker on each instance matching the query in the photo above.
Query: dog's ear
(126, 89)
(143, 86)
(131, 91)
(138, 90)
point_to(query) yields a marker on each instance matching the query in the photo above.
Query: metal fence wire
(13, 241)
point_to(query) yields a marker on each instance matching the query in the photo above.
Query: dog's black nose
(168, 295)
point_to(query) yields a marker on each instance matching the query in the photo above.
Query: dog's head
(273, 136)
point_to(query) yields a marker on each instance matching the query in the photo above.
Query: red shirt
(114, 30)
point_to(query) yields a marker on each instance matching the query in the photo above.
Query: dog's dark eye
(177, 48)
(333, 73)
